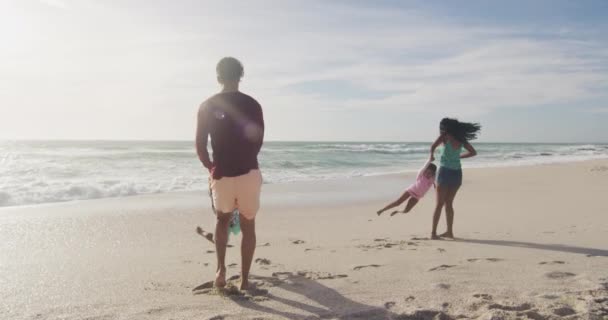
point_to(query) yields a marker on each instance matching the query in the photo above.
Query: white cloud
(599, 110)
(122, 60)
(61, 4)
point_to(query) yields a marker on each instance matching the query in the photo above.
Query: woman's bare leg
(449, 211)
(395, 203)
(441, 196)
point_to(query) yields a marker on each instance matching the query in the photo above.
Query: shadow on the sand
(325, 302)
(540, 246)
(328, 302)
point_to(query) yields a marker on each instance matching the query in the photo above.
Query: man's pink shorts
(242, 192)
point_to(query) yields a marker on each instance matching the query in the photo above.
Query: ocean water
(34, 172)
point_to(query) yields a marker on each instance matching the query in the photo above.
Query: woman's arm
(471, 152)
(436, 144)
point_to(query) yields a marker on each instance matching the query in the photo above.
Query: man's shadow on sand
(333, 304)
(329, 303)
(590, 252)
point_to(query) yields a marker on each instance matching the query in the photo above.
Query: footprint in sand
(320, 275)
(441, 250)
(232, 265)
(600, 300)
(443, 286)
(442, 267)
(206, 285)
(419, 239)
(599, 169)
(559, 275)
(426, 314)
(533, 315)
(311, 275)
(210, 251)
(205, 288)
(494, 259)
(357, 268)
(519, 307)
(552, 262)
(267, 244)
(254, 293)
(473, 260)
(564, 311)
(297, 241)
(386, 243)
(483, 296)
(263, 261)
(311, 249)
(389, 304)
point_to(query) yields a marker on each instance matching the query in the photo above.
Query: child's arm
(426, 165)
(434, 146)
(471, 152)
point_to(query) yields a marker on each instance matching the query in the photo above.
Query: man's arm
(254, 130)
(202, 134)
(261, 130)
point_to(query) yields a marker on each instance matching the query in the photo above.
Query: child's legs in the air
(396, 203)
(410, 204)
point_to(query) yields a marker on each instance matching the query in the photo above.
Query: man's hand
(211, 169)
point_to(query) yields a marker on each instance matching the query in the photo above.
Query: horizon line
(296, 141)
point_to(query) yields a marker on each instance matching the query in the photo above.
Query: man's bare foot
(379, 212)
(447, 235)
(244, 285)
(435, 237)
(220, 279)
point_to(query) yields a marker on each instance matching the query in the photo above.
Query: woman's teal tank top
(450, 157)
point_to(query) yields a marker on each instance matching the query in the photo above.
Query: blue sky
(323, 70)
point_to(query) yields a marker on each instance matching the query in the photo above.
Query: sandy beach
(531, 244)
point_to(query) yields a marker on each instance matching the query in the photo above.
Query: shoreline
(297, 186)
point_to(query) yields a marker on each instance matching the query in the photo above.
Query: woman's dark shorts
(449, 177)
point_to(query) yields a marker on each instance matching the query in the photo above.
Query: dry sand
(532, 243)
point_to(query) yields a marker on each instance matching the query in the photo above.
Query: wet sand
(531, 244)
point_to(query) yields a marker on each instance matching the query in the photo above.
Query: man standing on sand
(235, 123)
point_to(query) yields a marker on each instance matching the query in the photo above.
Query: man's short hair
(229, 69)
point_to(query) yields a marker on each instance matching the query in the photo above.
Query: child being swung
(424, 181)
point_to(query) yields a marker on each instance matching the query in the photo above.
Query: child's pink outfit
(421, 186)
